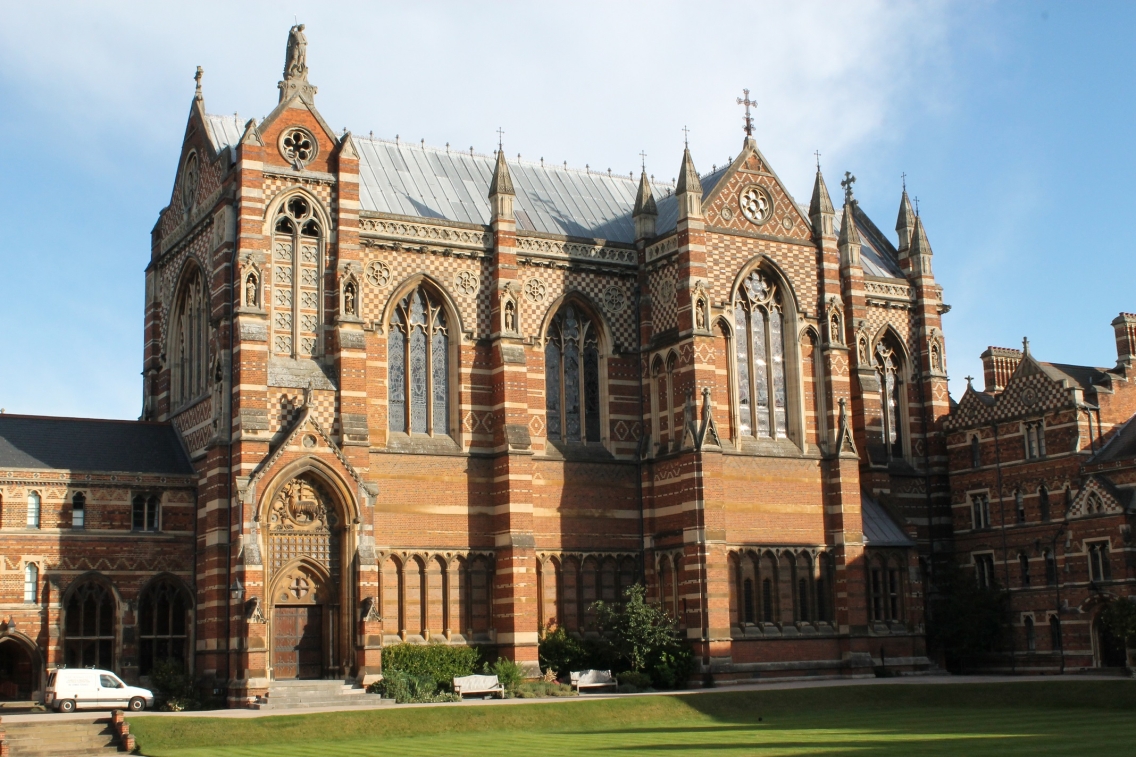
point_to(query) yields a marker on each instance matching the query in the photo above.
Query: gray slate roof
(409, 179)
(87, 444)
(879, 528)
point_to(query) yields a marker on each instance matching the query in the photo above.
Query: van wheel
(137, 704)
(67, 705)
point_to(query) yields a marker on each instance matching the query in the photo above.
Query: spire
(848, 232)
(905, 224)
(645, 211)
(821, 203)
(502, 183)
(920, 252)
(644, 199)
(687, 175)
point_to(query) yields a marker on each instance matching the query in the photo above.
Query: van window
(109, 682)
(51, 679)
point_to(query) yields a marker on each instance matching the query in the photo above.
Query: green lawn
(1031, 717)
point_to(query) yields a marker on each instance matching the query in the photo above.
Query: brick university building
(403, 393)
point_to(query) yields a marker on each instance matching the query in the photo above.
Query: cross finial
(686, 137)
(643, 160)
(969, 379)
(749, 121)
(849, 180)
(903, 178)
(1025, 345)
(916, 198)
(500, 137)
(817, 154)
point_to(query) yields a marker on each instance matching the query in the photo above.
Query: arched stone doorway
(19, 669)
(1108, 650)
(305, 579)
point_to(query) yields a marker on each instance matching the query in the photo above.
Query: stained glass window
(298, 281)
(760, 353)
(190, 347)
(419, 366)
(572, 377)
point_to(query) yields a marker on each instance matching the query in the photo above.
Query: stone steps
(70, 738)
(284, 695)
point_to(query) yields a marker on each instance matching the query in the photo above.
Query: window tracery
(297, 260)
(191, 340)
(572, 383)
(419, 373)
(889, 369)
(760, 353)
(163, 623)
(89, 627)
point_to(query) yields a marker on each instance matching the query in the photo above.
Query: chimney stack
(998, 364)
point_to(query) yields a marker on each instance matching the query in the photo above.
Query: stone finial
(821, 212)
(688, 180)
(502, 183)
(197, 95)
(920, 248)
(905, 223)
(644, 199)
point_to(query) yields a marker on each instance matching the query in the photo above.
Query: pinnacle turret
(502, 182)
(821, 212)
(644, 199)
(905, 224)
(848, 232)
(687, 175)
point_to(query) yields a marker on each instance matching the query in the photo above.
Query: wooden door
(298, 642)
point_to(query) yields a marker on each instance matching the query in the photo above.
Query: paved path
(936, 680)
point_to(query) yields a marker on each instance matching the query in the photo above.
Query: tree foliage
(965, 621)
(1120, 618)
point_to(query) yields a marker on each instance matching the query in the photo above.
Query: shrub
(563, 653)
(641, 638)
(509, 674)
(404, 687)
(631, 678)
(965, 622)
(173, 687)
(534, 689)
(1120, 618)
(439, 662)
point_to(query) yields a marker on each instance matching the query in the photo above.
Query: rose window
(298, 147)
(756, 204)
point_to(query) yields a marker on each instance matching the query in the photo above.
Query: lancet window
(419, 346)
(760, 352)
(163, 623)
(89, 627)
(572, 377)
(888, 371)
(297, 281)
(191, 340)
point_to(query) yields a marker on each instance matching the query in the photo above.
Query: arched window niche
(90, 623)
(189, 348)
(299, 234)
(891, 374)
(423, 332)
(573, 358)
(765, 352)
(164, 622)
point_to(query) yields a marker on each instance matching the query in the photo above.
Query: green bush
(509, 674)
(535, 689)
(440, 662)
(642, 638)
(631, 678)
(173, 687)
(404, 687)
(562, 653)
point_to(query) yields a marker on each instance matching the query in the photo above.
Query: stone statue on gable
(296, 63)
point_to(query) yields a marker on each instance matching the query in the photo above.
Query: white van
(86, 688)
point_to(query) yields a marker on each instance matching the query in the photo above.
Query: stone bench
(483, 685)
(592, 679)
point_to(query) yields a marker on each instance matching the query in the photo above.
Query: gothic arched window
(760, 351)
(419, 373)
(889, 371)
(572, 377)
(163, 623)
(191, 340)
(89, 627)
(297, 281)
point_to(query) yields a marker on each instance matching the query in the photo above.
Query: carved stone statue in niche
(349, 299)
(863, 352)
(700, 315)
(510, 317)
(251, 294)
(834, 329)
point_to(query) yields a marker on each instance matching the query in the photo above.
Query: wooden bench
(592, 679)
(483, 685)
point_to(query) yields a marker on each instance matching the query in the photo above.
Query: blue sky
(1012, 121)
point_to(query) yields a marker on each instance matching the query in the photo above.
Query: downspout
(1005, 547)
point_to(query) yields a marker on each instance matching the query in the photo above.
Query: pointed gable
(748, 196)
